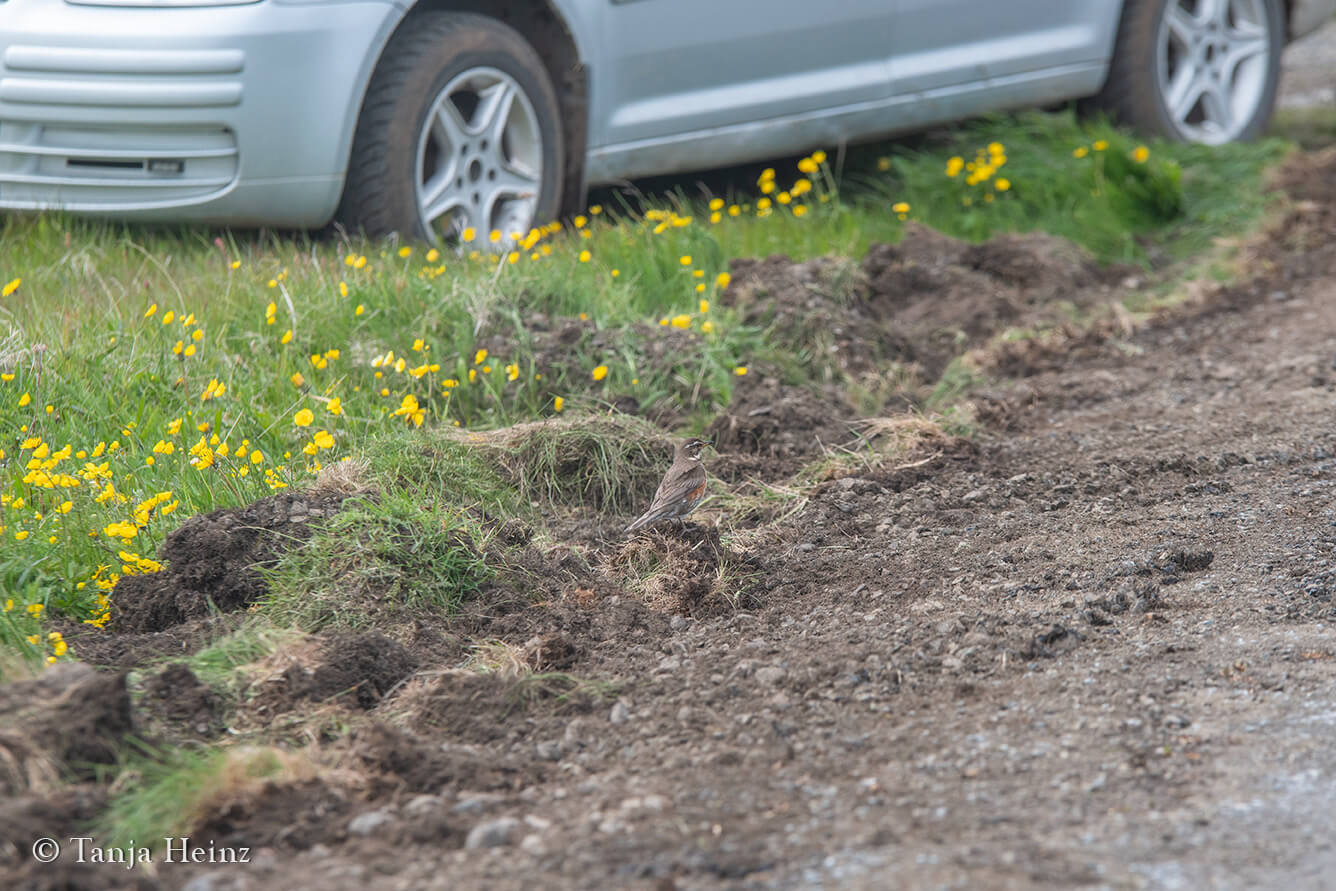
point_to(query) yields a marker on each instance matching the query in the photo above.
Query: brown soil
(214, 561)
(1091, 646)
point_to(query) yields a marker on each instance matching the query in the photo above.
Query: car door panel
(679, 66)
(947, 43)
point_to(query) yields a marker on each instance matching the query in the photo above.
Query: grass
(232, 366)
(377, 555)
(164, 793)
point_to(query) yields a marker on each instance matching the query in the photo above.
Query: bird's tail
(644, 520)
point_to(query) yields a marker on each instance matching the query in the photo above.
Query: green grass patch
(377, 557)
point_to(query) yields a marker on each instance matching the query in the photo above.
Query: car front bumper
(238, 114)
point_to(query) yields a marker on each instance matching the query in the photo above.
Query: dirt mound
(288, 815)
(65, 813)
(214, 561)
(62, 723)
(353, 669)
(775, 420)
(685, 571)
(464, 707)
(180, 698)
(919, 303)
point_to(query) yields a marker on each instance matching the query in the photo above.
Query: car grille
(63, 143)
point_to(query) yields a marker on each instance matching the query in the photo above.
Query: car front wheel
(1196, 70)
(459, 132)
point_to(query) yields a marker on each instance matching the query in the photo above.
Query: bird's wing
(677, 483)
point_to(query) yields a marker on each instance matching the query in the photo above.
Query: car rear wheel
(459, 131)
(1196, 70)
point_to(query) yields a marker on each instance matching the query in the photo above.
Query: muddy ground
(1090, 645)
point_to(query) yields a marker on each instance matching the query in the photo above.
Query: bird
(682, 489)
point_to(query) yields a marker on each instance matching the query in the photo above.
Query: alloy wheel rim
(1212, 61)
(479, 159)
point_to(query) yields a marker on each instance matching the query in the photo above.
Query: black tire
(427, 51)
(1132, 95)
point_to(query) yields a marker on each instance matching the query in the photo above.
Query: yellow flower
(767, 175)
(705, 306)
(723, 279)
(167, 317)
(717, 203)
(1140, 154)
(256, 456)
(954, 166)
(197, 334)
(410, 411)
(1080, 151)
(449, 383)
(681, 321)
(615, 273)
(297, 379)
(806, 165)
(11, 287)
(600, 372)
(153, 307)
(468, 234)
(700, 288)
(405, 251)
(783, 197)
(558, 403)
(343, 289)
(24, 400)
(335, 406)
(214, 389)
(706, 327)
(433, 255)
(819, 156)
(900, 207)
(494, 236)
(287, 337)
(585, 256)
(512, 372)
(767, 187)
(21, 535)
(595, 210)
(1002, 184)
(996, 148)
(480, 357)
(303, 418)
(323, 440)
(359, 262)
(360, 309)
(236, 264)
(800, 210)
(1100, 145)
(740, 371)
(580, 222)
(685, 259)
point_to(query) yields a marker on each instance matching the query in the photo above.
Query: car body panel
(666, 72)
(84, 89)
(244, 114)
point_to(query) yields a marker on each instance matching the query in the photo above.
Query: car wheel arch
(544, 28)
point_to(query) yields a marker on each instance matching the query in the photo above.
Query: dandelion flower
(800, 210)
(297, 379)
(167, 317)
(807, 165)
(705, 306)
(1140, 154)
(558, 403)
(359, 310)
(1100, 145)
(600, 372)
(468, 234)
(819, 156)
(335, 406)
(585, 256)
(405, 251)
(706, 327)
(685, 259)
(286, 338)
(740, 371)
(615, 273)
(24, 400)
(1080, 151)
(303, 418)
(900, 207)
(10, 287)
(323, 440)
(1002, 184)
(480, 357)
(681, 321)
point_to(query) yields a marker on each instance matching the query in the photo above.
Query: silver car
(433, 118)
